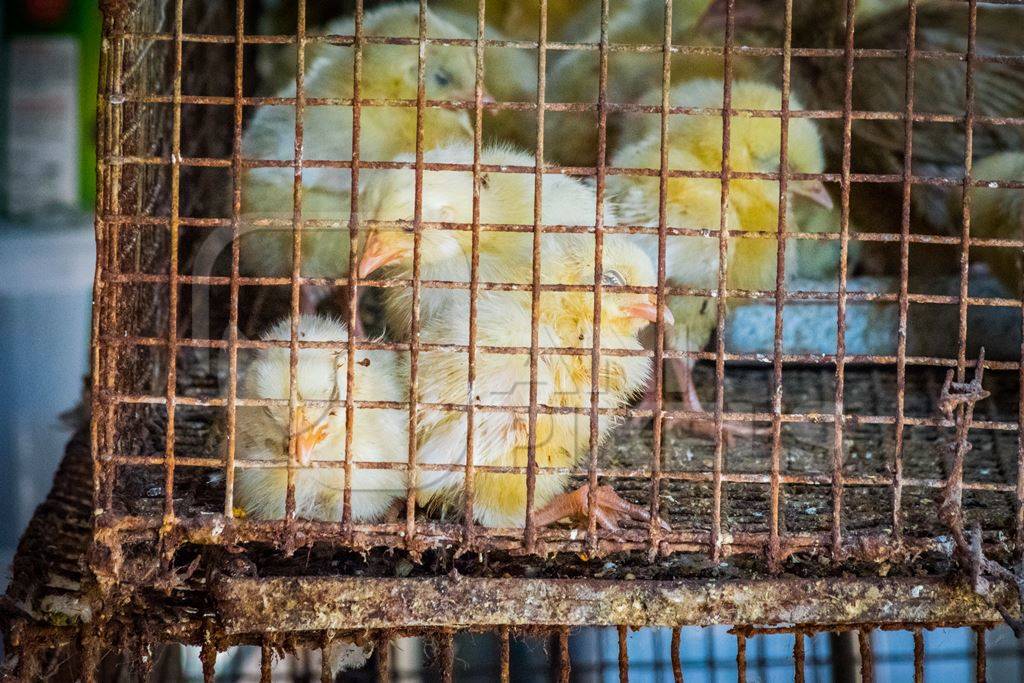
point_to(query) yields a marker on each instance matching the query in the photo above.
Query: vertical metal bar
(721, 291)
(623, 656)
(677, 662)
(447, 656)
(102, 470)
(965, 235)
(901, 327)
(654, 529)
(503, 659)
(236, 226)
(980, 655)
(844, 245)
(741, 658)
(595, 347)
(918, 656)
(414, 322)
(172, 273)
(208, 658)
(474, 280)
(564, 663)
(774, 539)
(530, 531)
(867, 658)
(293, 348)
(266, 662)
(798, 657)
(383, 658)
(353, 237)
(326, 675)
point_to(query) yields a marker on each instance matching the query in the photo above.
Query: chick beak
(813, 190)
(649, 312)
(487, 98)
(375, 255)
(307, 437)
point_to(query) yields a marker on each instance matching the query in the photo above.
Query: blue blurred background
(48, 74)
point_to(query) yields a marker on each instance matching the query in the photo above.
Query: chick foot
(704, 427)
(611, 511)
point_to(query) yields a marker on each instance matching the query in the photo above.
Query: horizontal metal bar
(299, 603)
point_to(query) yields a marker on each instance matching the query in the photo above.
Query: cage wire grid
(112, 339)
(147, 164)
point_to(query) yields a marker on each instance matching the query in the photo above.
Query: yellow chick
(998, 213)
(380, 435)
(562, 440)
(520, 20)
(575, 75)
(388, 72)
(692, 261)
(505, 199)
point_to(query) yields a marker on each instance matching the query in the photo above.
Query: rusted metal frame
(529, 527)
(749, 295)
(741, 658)
(980, 655)
(233, 296)
(554, 169)
(383, 652)
(867, 656)
(564, 661)
(325, 658)
(774, 520)
(266, 661)
(904, 304)
(417, 254)
(721, 291)
(918, 656)
(172, 272)
(109, 305)
(819, 479)
(503, 653)
(469, 481)
(211, 530)
(676, 650)
(740, 416)
(708, 51)
(598, 291)
(294, 286)
(798, 657)
(965, 235)
(208, 658)
(623, 655)
(447, 660)
(654, 528)
(840, 376)
(99, 353)
(352, 289)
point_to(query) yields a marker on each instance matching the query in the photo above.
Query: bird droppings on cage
(432, 306)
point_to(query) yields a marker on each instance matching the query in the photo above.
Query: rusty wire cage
(876, 477)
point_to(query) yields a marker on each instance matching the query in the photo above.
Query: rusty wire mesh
(176, 92)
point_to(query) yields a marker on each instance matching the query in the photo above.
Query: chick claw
(731, 431)
(611, 510)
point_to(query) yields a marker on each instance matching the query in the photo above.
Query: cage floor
(686, 494)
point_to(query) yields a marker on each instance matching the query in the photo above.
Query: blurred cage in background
(879, 477)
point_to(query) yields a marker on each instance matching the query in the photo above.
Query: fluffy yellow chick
(691, 261)
(575, 75)
(505, 199)
(381, 435)
(998, 213)
(388, 72)
(562, 440)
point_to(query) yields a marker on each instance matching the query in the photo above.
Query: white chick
(505, 199)
(380, 435)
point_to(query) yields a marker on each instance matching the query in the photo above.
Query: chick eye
(613, 278)
(442, 78)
